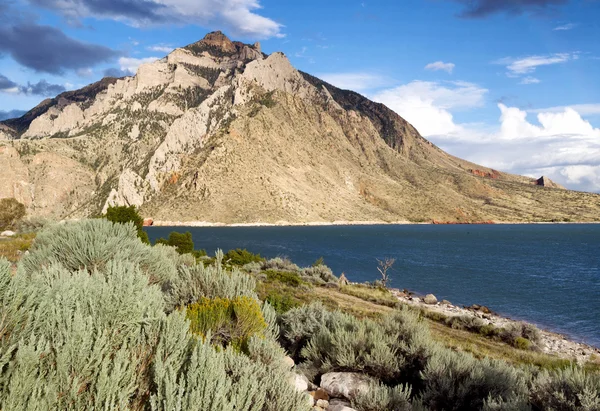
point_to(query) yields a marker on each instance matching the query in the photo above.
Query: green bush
(11, 213)
(515, 333)
(241, 257)
(123, 215)
(282, 303)
(183, 242)
(465, 322)
(489, 330)
(319, 261)
(522, 343)
(569, 389)
(288, 278)
(227, 321)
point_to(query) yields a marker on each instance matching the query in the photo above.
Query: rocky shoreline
(551, 343)
(159, 223)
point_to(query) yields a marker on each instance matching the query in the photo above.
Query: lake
(547, 274)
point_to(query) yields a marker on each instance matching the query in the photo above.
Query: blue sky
(510, 84)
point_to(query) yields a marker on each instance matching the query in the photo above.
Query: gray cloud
(239, 17)
(6, 84)
(117, 72)
(47, 49)
(5, 115)
(484, 8)
(138, 10)
(41, 88)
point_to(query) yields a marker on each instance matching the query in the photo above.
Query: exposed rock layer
(218, 131)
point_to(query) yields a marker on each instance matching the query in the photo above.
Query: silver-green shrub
(299, 324)
(79, 340)
(458, 381)
(90, 244)
(380, 397)
(512, 404)
(387, 350)
(191, 283)
(204, 378)
(84, 326)
(569, 389)
(320, 274)
(280, 264)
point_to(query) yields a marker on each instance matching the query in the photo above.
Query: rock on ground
(345, 384)
(430, 299)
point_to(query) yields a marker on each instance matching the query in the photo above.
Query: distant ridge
(218, 131)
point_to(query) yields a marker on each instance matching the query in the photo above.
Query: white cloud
(582, 109)
(561, 145)
(130, 64)
(427, 105)
(565, 27)
(161, 48)
(529, 64)
(240, 17)
(530, 80)
(440, 65)
(557, 142)
(358, 81)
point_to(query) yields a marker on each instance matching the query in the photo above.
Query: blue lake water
(545, 274)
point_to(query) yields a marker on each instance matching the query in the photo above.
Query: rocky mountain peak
(219, 40)
(219, 131)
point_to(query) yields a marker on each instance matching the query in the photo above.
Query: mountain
(218, 131)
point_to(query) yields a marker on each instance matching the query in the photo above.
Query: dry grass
(13, 248)
(375, 295)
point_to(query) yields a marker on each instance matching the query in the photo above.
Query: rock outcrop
(546, 182)
(218, 131)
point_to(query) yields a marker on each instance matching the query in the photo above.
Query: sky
(512, 84)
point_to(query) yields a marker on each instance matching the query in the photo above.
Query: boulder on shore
(430, 299)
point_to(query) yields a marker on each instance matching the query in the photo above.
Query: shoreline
(553, 343)
(159, 223)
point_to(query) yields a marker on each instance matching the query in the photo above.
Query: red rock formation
(148, 222)
(486, 174)
(462, 222)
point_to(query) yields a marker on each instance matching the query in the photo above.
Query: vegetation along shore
(95, 317)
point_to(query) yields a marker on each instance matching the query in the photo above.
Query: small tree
(383, 267)
(318, 262)
(182, 242)
(11, 212)
(124, 214)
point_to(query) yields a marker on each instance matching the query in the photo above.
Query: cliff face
(218, 131)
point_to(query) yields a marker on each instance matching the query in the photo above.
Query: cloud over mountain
(41, 88)
(47, 49)
(238, 16)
